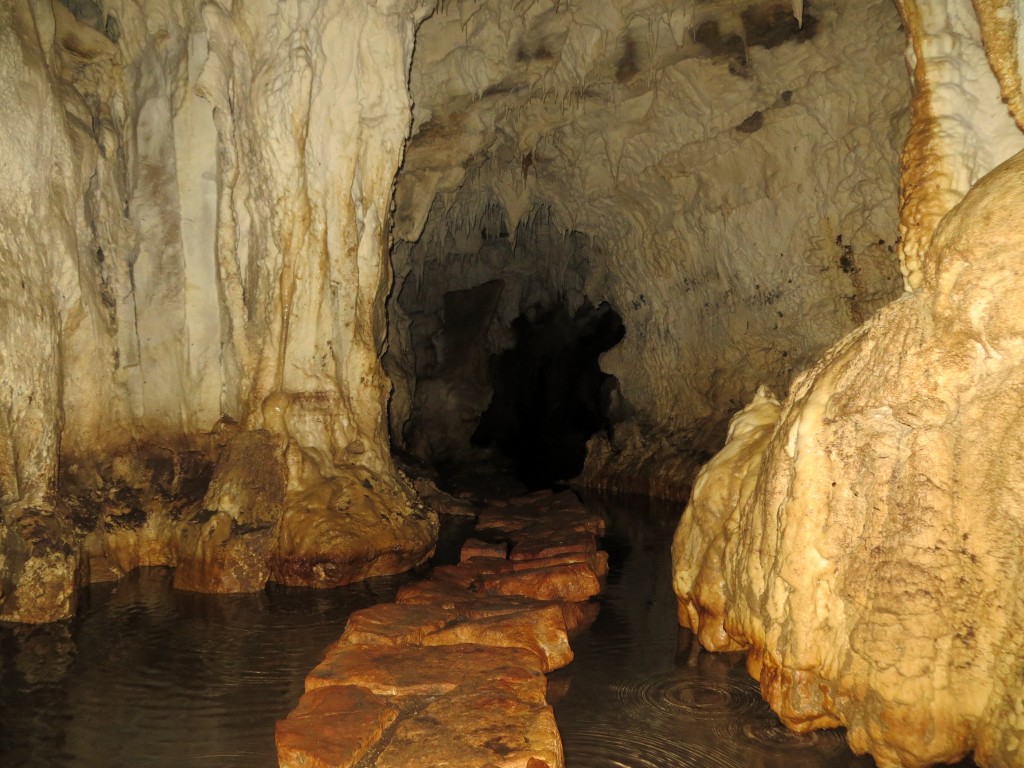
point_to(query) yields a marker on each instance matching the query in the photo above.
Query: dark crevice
(550, 394)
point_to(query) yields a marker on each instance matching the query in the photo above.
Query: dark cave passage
(550, 394)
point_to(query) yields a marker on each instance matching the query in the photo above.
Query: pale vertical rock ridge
(961, 128)
(865, 548)
(209, 255)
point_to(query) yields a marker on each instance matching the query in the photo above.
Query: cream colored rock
(718, 189)
(871, 563)
(193, 234)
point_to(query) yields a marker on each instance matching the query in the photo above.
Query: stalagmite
(196, 291)
(862, 541)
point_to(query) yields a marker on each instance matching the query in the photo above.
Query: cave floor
(150, 676)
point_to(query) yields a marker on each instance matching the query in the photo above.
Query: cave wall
(861, 538)
(193, 241)
(736, 171)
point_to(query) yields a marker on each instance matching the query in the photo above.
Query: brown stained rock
(514, 521)
(490, 727)
(598, 562)
(217, 555)
(332, 727)
(537, 547)
(394, 624)
(863, 538)
(468, 573)
(411, 671)
(477, 548)
(456, 575)
(428, 592)
(578, 614)
(39, 566)
(349, 527)
(489, 564)
(540, 630)
(573, 582)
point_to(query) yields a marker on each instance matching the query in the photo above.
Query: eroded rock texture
(863, 541)
(193, 246)
(723, 176)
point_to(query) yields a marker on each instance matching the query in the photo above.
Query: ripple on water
(618, 745)
(770, 733)
(680, 692)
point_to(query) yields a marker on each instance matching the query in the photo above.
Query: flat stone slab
(494, 727)
(597, 561)
(413, 671)
(578, 614)
(550, 545)
(458, 661)
(512, 521)
(333, 727)
(394, 624)
(540, 630)
(572, 582)
(479, 548)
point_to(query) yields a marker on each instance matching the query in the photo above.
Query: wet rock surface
(462, 657)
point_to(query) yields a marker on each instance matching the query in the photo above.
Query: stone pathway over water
(452, 674)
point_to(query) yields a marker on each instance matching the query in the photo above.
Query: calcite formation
(862, 538)
(193, 238)
(719, 172)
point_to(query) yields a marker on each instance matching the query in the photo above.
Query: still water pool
(149, 676)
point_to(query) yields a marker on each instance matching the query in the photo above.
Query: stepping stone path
(452, 674)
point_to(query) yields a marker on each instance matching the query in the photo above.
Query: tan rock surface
(415, 671)
(534, 547)
(395, 624)
(871, 562)
(498, 726)
(541, 630)
(477, 548)
(332, 727)
(572, 582)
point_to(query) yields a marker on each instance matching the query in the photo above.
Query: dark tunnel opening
(550, 394)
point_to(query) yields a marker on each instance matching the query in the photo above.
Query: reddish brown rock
(492, 727)
(455, 575)
(468, 573)
(559, 514)
(412, 671)
(574, 582)
(333, 727)
(552, 545)
(541, 630)
(598, 562)
(579, 616)
(394, 624)
(478, 548)
(428, 592)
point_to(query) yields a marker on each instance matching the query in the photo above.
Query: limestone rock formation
(193, 237)
(861, 539)
(720, 173)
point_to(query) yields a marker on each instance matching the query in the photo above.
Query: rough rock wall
(737, 171)
(863, 539)
(195, 234)
(961, 128)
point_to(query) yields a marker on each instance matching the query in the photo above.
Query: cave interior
(274, 272)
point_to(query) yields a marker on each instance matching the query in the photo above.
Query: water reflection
(151, 676)
(640, 694)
